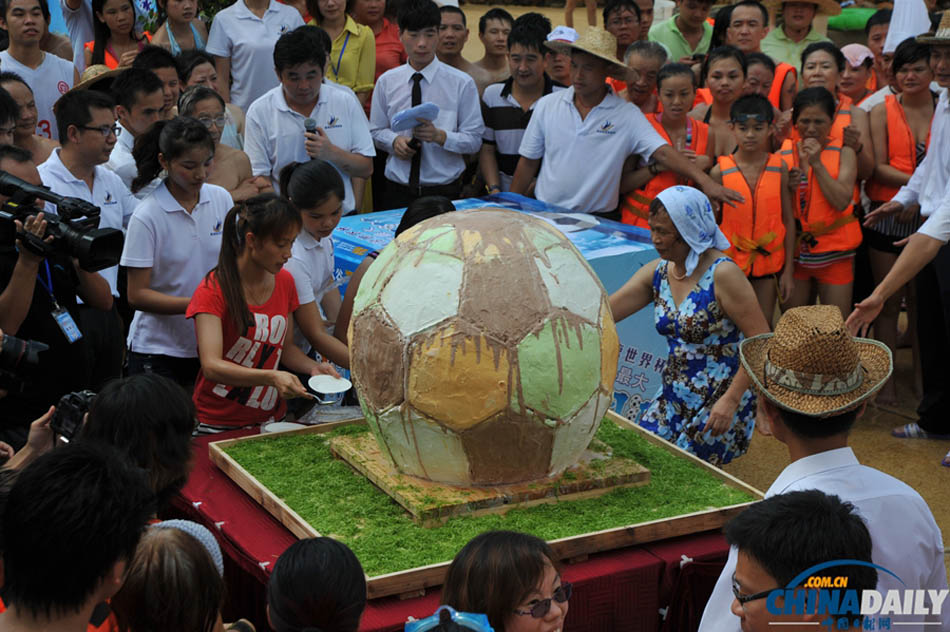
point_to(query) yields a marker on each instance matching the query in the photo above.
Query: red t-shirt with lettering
(260, 348)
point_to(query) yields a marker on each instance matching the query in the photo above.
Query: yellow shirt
(352, 61)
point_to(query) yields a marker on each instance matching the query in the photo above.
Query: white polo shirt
(180, 248)
(583, 159)
(108, 193)
(122, 163)
(311, 264)
(249, 41)
(50, 80)
(274, 133)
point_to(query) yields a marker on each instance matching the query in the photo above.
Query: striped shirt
(505, 123)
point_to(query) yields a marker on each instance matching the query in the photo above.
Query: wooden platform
(430, 504)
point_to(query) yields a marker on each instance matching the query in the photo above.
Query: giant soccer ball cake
(483, 349)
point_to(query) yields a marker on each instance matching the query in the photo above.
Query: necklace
(677, 277)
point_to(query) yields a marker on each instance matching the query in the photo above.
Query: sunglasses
(541, 607)
(757, 117)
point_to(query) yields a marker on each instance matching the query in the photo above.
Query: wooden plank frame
(414, 581)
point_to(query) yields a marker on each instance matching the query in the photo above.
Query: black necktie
(417, 157)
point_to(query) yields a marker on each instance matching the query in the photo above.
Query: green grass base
(340, 503)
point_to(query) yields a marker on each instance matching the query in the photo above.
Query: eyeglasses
(105, 130)
(543, 606)
(217, 121)
(744, 599)
(758, 117)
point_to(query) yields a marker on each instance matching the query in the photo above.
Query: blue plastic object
(448, 615)
(407, 118)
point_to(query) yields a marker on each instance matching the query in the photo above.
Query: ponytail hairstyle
(316, 584)
(310, 184)
(171, 139)
(266, 216)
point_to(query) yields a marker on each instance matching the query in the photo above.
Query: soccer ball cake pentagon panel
(483, 349)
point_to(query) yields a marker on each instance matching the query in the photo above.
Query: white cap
(563, 34)
(909, 19)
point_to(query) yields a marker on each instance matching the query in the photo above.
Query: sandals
(914, 431)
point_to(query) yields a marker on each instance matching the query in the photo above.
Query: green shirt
(780, 48)
(668, 34)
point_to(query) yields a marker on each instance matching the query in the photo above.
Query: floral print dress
(704, 355)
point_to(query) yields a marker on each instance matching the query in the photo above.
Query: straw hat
(811, 364)
(97, 76)
(597, 42)
(942, 36)
(825, 7)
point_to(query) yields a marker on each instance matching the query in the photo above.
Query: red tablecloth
(619, 590)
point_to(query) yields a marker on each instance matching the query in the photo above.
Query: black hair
(316, 584)
(7, 76)
(495, 13)
(758, 5)
(75, 109)
(155, 57)
(612, 6)
(448, 8)
(150, 419)
(9, 110)
(16, 154)
(808, 427)
(530, 31)
(132, 84)
(7, 478)
(814, 96)
(762, 59)
(101, 33)
(79, 509)
(907, 52)
(724, 52)
(266, 216)
(789, 533)
(313, 8)
(324, 38)
(646, 48)
(309, 184)
(299, 46)
(418, 15)
(171, 138)
(44, 9)
(188, 60)
(826, 47)
(878, 18)
(195, 95)
(675, 70)
(752, 105)
(720, 26)
(422, 209)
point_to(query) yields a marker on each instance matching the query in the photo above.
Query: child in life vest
(761, 229)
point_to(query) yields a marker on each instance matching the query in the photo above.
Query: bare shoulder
(201, 28)
(699, 111)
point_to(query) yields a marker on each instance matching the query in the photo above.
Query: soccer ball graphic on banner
(483, 349)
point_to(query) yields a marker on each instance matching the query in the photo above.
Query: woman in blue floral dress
(704, 305)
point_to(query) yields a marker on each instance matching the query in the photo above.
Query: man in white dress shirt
(926, 256)
(814, 381)
(139, 104)
(275, 135)
(431, 160)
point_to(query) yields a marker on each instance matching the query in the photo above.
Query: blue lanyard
(48, 284)
(339, 60)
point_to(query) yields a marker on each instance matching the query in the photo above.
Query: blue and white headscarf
(693, 217)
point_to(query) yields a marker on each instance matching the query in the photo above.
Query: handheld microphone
(310, 125)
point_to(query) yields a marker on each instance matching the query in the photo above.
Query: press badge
(66, 324)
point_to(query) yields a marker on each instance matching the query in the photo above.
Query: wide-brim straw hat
(941, 35)
(98, 77)
(811, 365)
(597, 42)
(825, 7)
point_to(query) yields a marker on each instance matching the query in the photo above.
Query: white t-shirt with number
(50, 80)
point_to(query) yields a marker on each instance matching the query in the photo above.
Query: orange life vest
(901, 149)
(635, 206)
(820, 227)
(781, 71)
(841, 120)
(108, 58)
(703, 95)
(754, 227)
(618, 85)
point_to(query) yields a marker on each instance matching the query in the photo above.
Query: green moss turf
(342, 504)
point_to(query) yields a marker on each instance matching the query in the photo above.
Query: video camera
(74, 228)
(17, 358)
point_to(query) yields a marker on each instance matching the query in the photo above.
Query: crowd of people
(772, 169)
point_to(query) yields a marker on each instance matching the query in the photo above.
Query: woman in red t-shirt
(243, 313)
